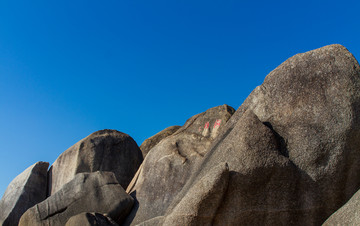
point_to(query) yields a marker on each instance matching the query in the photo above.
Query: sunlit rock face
(104, 150)
(26, 190)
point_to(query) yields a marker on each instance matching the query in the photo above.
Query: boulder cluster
(289, 155)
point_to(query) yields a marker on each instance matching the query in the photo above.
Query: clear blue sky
(69, 68)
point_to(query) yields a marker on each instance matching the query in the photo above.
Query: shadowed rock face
(293, 147)
(87, 192)
(149, 143)
(170, 163)
(104, 150)
(90, 219)
(312, 101)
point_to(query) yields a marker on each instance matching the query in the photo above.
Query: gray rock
(104, 150)
(348, 214)
(199, 205)
(88, 192)
(26, 190)
(149, 143)
(293, 146)
(153, 221)
(169, 164)
(90, 219)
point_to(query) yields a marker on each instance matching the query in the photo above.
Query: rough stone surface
(265, 188)
(312, 102)
(348, 214)
(169, 164)
(293, 147)
(199, 205)
(26, 190)
(149, 143)
(88, 192)
(90, 219)
(104, 150)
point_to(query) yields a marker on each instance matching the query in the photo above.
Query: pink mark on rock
(217, 123)
(207, 124)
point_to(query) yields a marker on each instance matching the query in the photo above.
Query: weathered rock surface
(88, 192)
(26, 190)
(263, 185)
(169, 164)
(149, 143)
(199, 205)
(293, 147)
(348, 214)
(104, 150)
(90, 219)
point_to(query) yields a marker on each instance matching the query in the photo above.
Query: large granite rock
(348, 214)
(87, 192)
(149, 143)
(90, 219)
(293, 147)
(169, 164)
(104, 150)
(26, 190)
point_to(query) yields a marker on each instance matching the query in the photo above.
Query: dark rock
(26, 190)
(104, 150)
(88, 192)
(169, 164)
(90, 219)
(293, 146)
(149, 143)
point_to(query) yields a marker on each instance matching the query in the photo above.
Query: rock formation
(290, 155)
(26, 190)
(87, 192)
(104, 150)
(293, 147)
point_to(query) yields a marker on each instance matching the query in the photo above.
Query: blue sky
(69, 68)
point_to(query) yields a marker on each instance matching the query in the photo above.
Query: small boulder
(26, 190)
(87, 192)
(149, 143)
(104, 150)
